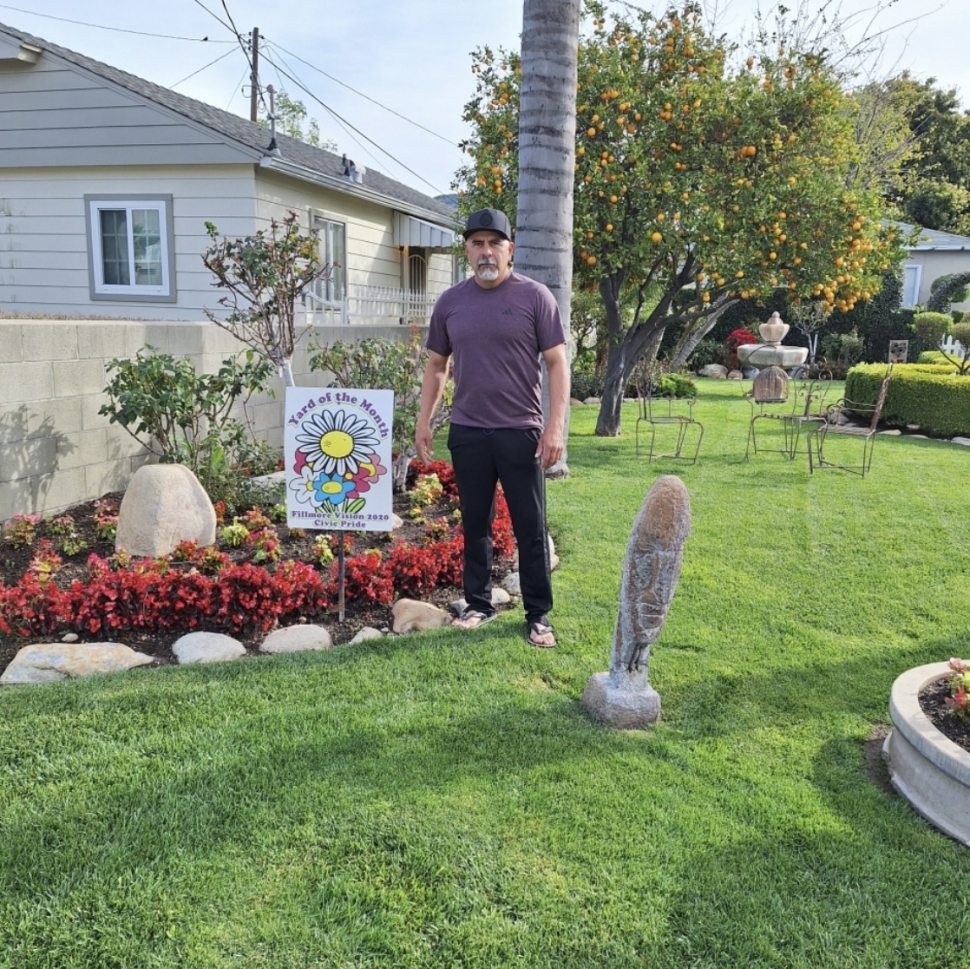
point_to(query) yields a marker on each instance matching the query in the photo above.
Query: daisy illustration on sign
(337, 455)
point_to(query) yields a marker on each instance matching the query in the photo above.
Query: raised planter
(927, 768)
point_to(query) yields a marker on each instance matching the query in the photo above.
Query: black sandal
(541, 628)
(475, 617)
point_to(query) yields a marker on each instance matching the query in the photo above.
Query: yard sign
(337, 452)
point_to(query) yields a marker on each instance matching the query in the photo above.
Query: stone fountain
(771, 353)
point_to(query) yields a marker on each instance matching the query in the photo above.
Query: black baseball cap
(489, 220)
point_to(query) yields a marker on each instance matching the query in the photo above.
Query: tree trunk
(547, 144)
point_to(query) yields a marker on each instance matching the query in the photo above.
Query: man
(498, 325)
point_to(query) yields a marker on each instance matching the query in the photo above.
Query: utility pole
(254, 78)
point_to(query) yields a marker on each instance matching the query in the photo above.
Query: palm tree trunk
(547, 144)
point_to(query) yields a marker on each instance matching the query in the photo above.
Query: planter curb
(930, 771)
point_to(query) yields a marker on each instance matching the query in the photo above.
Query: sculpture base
(624, 701)
(771, 355)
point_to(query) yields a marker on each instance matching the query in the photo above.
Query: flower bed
(273, 577)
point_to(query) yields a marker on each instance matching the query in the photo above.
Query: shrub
(183, 416)
(958, 703)
(930, 396)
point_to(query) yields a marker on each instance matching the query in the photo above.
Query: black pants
(481, 457)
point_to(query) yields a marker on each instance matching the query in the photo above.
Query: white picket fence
(953, 347)
(370, 305)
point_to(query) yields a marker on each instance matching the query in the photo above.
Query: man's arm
(432, 387)
(551, 443)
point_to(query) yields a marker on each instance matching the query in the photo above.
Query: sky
(408, 62)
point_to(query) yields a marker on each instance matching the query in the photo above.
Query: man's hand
(549, 449)
(423, 441)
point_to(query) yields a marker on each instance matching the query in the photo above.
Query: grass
(443, 800)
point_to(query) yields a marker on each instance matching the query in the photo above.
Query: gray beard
(488, 273)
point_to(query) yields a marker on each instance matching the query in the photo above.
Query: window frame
(94, 205)
(332, 291)
(913, 270)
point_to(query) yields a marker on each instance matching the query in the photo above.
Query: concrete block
(14, 424)
(102, 340)
(100, 479)
(88, 406)
(43, 340)
(81, 448)
(121, 444)
(76, 378)
(52, 417)
(28, 458)
(25, 382)
(65, 488)
(11, 342)
(18, 497)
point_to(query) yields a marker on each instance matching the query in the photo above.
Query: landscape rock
(69, 638)
(893, 432)
(965, 441)
(163, 505)
(297, 639)
(368, 632)
(207, 648)
(48, 662)
(575, 402)
(411, 616)
(396, 521)
(591, 400)
(499, 598)
(713, 370)
(512, 585)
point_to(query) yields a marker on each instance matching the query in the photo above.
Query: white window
(333, 254)
(911, 281)
(131, 247)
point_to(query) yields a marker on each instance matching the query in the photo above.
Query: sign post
(337, 454)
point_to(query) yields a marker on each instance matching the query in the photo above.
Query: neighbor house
(933, 255)
(107, 181)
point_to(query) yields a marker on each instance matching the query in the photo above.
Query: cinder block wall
(56, 450)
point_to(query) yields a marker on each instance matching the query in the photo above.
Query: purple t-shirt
(496, 336)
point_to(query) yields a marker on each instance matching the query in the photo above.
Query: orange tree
(697, 183)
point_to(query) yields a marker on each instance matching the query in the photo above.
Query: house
(107, 181)
(934, 254)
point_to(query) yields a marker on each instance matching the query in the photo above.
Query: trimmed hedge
(929, 395)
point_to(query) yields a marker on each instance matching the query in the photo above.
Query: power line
(336, 116)
(201, 69)
(216, 17)
(246, 53)
(360, 93)
(120, 30)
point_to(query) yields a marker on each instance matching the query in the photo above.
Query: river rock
(48, 662)
(297, 639)
(207, 648)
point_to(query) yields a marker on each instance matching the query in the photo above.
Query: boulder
(411, 616)
(965, 441)
(207, 648)
(714, 370)
(48, 662)
(297, 639)
(163, 505)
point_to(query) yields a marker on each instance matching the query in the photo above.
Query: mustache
(485, 261)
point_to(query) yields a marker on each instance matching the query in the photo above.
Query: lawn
(443, 800)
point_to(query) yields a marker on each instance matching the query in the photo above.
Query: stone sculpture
(623, 698)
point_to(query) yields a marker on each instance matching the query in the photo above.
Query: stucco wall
(55, 449)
